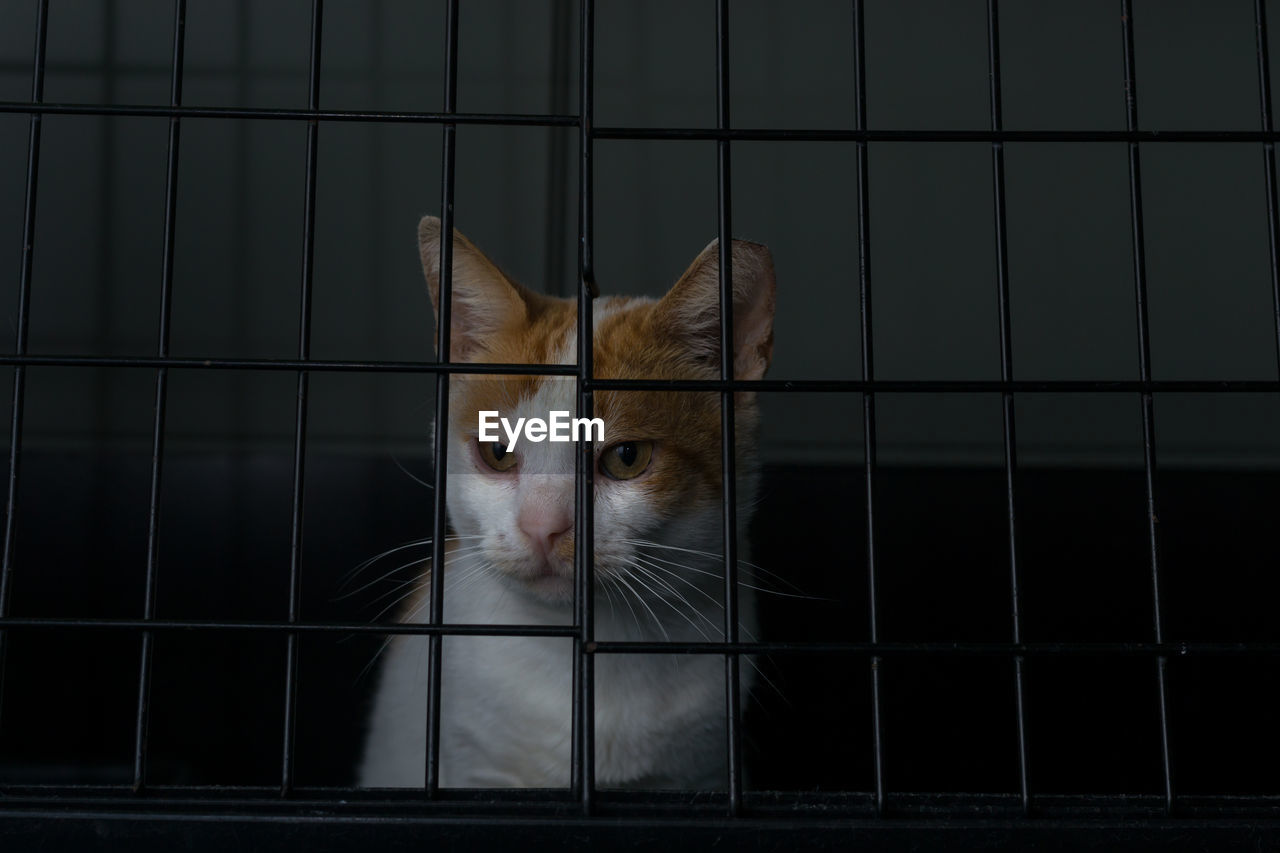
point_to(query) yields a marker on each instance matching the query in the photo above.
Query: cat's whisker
(469, 577)
(713, 556)
(411, 475)
(681, 599)
(456, 553)
(741, 583)
(376, 557)
(715, 601)
(751, 637)
(399, 600)
(647, 560)
(351, 575)
(696, 627)
(658, 622)
(684, 599)
(718, 629)
(608, 594)
(421, 582)
(714, 625)
(408, 617)
(386, 642)
(416, 577)
(626, 601)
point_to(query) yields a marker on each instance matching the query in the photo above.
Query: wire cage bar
(1269, 159)
(443, 330)
(162, 394)
(582, 804)
(287, 762)
(1147, 401)
(1006, 398)
(23, 323)
(728, 465)
(582, 736)
(868, 396)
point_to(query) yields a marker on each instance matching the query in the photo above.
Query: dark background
(69, 697)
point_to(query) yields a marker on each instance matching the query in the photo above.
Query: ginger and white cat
(506, 701)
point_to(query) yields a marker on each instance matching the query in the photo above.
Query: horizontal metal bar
(942, 386)
(639, 133)
(386, 116)
(932, 386)
(655, 647)
(288, 364)
(799, 801)
(938, 649)
(486, 630)
(338, 804)
(989, 136)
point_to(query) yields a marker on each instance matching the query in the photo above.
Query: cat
(506, 701)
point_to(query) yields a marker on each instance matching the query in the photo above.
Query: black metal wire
(440, 518)
(1269, 161)
(287, 761)
(23, 325)
(944, 386)
(960, 649)
(928, 386)
(1006, 375)
(287, 364)
(807, 812)
(1144, 368)
(728, 461)
(582, 794)
(375, 116)
(1179, 649)
(868, 397)
(582, 750)
(285, 626)
(142, 716)
(839, 135)
(641, 133)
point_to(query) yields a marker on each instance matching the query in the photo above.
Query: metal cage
(288, 814)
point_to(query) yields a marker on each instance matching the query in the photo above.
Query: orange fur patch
(630, 343)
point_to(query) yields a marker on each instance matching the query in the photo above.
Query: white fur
(506, 702)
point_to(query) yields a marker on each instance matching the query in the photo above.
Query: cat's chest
(513, 704)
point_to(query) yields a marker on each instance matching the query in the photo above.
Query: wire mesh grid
(582, 801)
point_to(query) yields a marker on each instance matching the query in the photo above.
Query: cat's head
(658, 469)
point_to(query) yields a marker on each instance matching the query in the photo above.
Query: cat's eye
(626, 460)
(496, 455)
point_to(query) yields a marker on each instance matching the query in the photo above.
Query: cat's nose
(545, 526)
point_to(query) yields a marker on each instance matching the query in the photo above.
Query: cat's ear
(691, 309)
(484, 301)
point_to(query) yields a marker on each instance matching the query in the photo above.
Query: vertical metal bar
(868, 373)
(558, 163)
(287, 758)
(440, 520)
(582, 758)
(1006, 375)
(142, 718)
(24, 316)
(727, 435)
(1144, 367)
(1269, 161)
(107, 192)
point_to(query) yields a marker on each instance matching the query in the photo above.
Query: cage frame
(287, 814)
